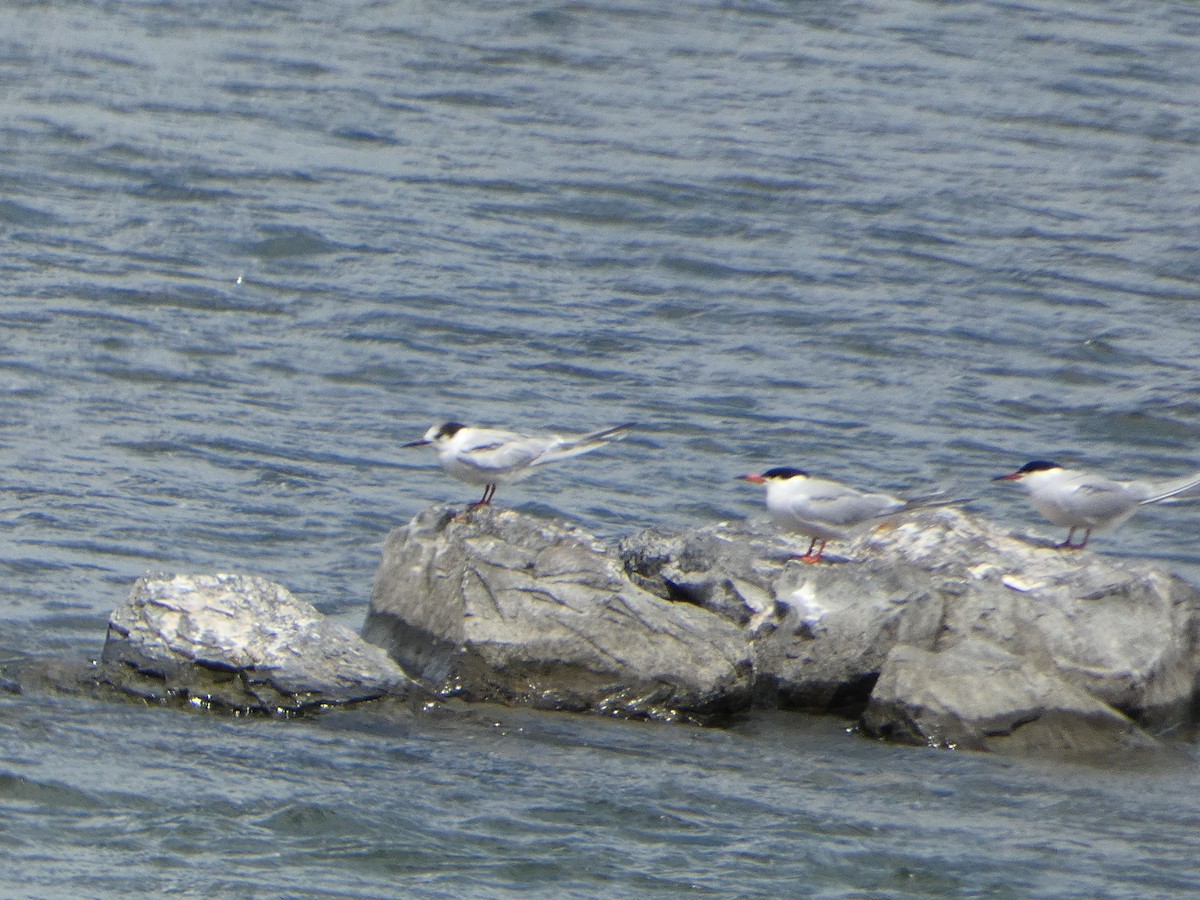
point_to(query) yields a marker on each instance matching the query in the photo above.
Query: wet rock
(239, 642)
(494, 605)
(977, 696)
(818, 634)
(935, 628)
(1121, 631)
(1118, 633)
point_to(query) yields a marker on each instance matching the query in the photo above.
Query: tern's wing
(493, 450)
(838, 505)
(1094, 495)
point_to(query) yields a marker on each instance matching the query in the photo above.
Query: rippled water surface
(250, 249)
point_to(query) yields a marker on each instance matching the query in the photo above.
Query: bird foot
(463, 514)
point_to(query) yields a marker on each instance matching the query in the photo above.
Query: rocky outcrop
(1093, 628)
(494, 605)
(241, 643)
(936, 629)
(1120, 632)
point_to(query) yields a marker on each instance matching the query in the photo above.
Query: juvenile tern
(826, 510)
(490, 456)
(1077, 499)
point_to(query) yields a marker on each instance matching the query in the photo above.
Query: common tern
(826, 510)
(1077, 499)
(490, 456)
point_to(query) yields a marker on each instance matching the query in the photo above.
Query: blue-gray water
(249, 249)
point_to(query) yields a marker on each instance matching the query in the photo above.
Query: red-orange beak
(1011, 476)
(756, 479)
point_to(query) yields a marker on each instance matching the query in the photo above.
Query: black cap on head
(784, 472)
(1038, 465)
(450, 429)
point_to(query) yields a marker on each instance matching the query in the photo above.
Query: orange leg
(809, 557)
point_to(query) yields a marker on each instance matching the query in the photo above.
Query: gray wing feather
(844, 507)
(1102, 498)
(502, 451)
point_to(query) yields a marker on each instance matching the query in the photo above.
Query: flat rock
(498, 606)
(239, 642)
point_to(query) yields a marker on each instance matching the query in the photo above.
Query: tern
(1077, 499)
(826, 510)
(491, 456)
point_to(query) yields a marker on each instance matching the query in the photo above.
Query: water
(251, 249)
(509, 803)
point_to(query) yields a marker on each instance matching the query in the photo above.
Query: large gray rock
(818, 634)
(242, 643)
(1119, 633)
(1120, 630)
(937, 628)
(941, 628)
(976, 696)
(494, 605)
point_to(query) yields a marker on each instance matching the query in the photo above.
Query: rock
(818, 634)
(1120, 633)
(935, 628)
(1120, 630)
(727, 571)
(977, 696)
(242, 643)
(494, 605)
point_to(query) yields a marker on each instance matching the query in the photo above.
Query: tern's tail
(938, 498)
(584, 443)
(1174, 491)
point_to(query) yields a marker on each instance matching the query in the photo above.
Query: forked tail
(584, 443)
(1174, 491)
(930, 501)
